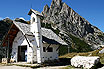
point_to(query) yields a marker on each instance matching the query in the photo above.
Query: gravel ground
(14, 67)
(101, 67)
(54, 67)
(19, 67)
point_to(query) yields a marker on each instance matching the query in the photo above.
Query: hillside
(4, 26)
(71, 27)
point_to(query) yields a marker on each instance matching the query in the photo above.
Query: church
(30, 42)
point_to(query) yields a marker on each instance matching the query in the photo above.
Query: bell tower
(35, 28)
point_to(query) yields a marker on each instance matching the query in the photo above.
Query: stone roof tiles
(48, 33)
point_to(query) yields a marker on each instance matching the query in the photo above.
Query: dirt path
(14, 67)
(54, 67)
(19, 67)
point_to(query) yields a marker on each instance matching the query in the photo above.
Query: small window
(44, 49)
(33, 19)
(50, 49)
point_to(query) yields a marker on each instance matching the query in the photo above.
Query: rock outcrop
(85, 62)
(63, 19)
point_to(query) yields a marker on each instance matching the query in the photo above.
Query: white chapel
(30, 42)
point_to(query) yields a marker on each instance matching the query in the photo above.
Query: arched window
(33, 19)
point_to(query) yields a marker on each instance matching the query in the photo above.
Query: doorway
(22, 53)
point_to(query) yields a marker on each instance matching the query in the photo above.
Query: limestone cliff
(71, 27)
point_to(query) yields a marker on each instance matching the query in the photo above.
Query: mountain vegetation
(4, 27)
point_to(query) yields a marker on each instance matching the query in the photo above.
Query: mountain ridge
(60, 16)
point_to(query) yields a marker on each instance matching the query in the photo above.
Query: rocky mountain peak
(57, 2)
(65, 8)
(46, 10)
(66, 22)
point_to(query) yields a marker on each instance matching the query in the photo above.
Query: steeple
(35, 28)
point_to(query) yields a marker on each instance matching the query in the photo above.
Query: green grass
(79, 45)
(63, 50)
(92, 53)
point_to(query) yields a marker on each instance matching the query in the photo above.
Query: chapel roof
(35, 12)
(46, 33)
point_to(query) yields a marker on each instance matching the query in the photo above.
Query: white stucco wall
(32, 51)
(21, 41)
(18, 41)
(50, 55)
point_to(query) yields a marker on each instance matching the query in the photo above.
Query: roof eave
(31, 10)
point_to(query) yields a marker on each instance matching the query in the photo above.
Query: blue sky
(91, 10)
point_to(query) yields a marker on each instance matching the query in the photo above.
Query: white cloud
(22, 18)
(1, 18)
(6, 17)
